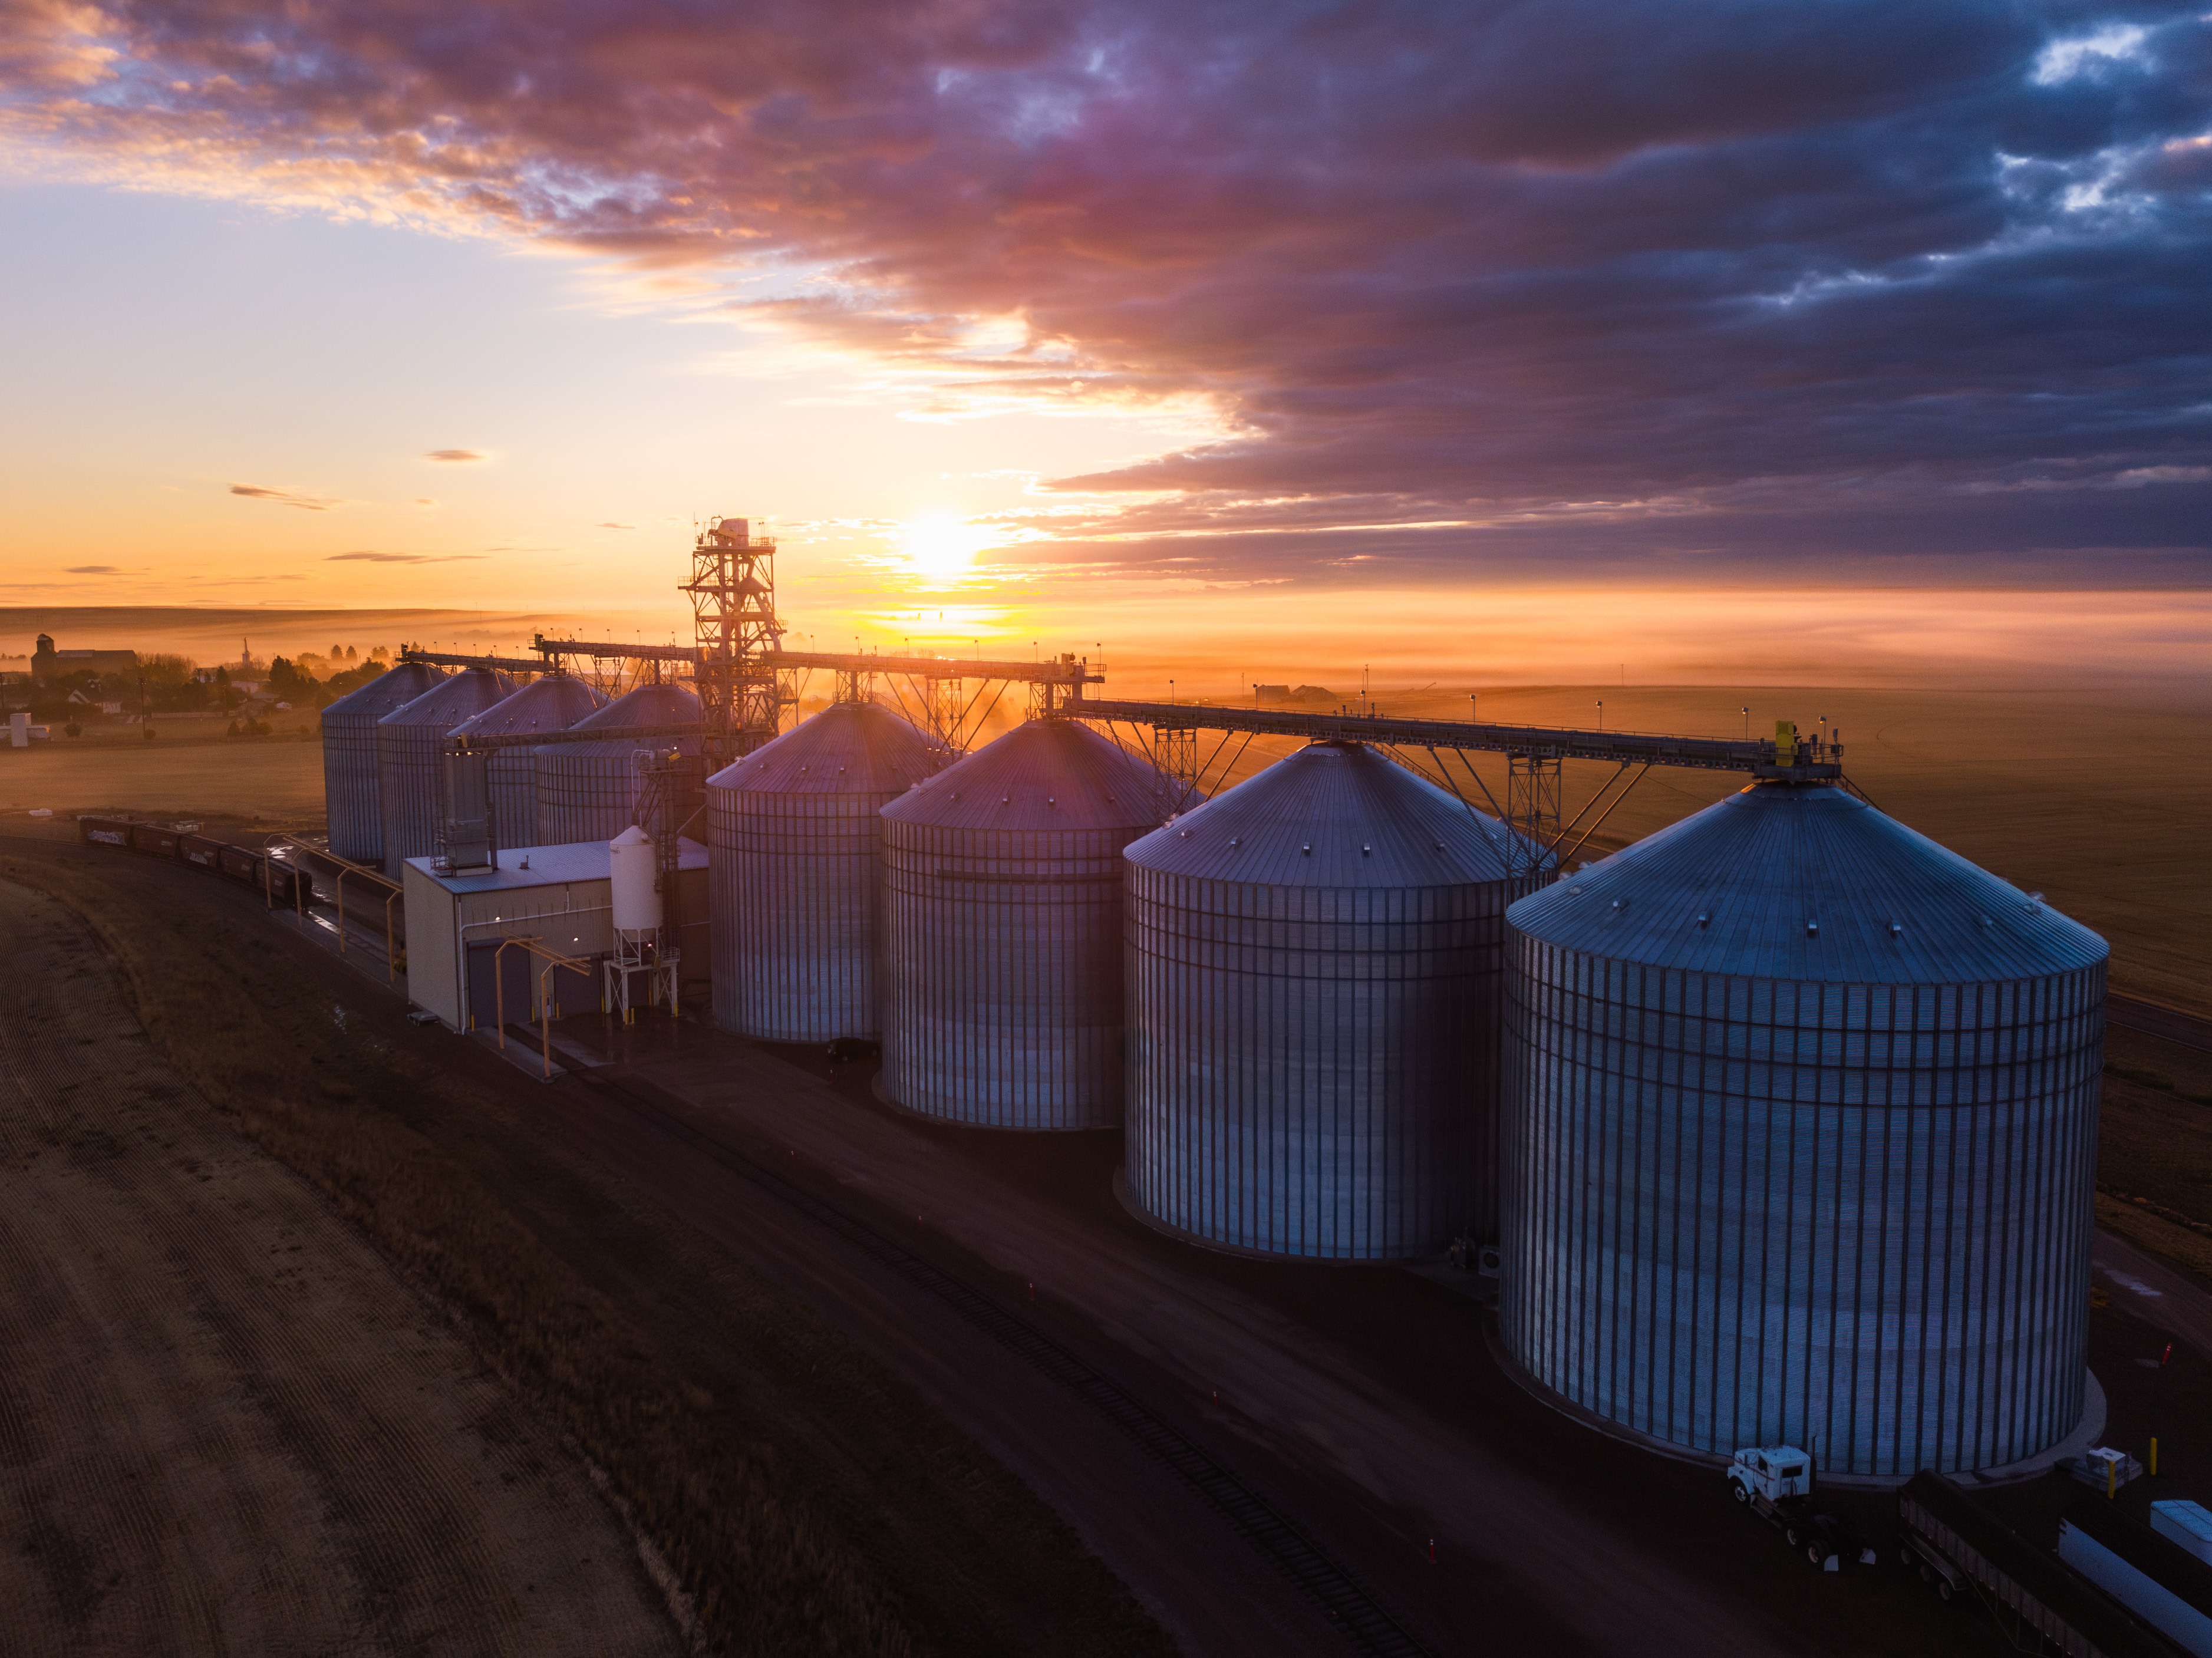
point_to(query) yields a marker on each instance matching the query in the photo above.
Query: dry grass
(732, 1490)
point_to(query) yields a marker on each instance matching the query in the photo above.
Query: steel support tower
(732, 589)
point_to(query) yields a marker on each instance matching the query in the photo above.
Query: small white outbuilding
(563, 897)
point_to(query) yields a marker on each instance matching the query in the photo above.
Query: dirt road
(1362, 1397)
(225, 1426)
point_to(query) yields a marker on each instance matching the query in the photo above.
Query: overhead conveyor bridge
(1167, 734)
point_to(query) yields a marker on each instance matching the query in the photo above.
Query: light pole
(1601, 714)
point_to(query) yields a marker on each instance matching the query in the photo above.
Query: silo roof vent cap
(1702, 919)
(1307, 850)
(1811, 929)
(1367, 851)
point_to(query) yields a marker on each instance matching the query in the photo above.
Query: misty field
(2094, 799)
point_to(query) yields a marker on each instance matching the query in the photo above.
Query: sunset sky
(1725, 338)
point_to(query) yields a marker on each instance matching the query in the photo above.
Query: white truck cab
(1770, 1472)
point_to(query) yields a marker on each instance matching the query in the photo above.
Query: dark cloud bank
(1867, 289)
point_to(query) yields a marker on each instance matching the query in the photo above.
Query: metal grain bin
(795, 873)
(589, 791)
(1314, 966)
(408, 746)
(1799, 1139)
(351, 797)
(1002, 931)
(551, 704)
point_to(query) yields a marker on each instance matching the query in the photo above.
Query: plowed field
(226, 1424)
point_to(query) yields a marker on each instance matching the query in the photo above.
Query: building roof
(550, 866)
(1331, 815)
(1809, 884)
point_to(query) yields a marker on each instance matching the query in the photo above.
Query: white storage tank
(631, 870)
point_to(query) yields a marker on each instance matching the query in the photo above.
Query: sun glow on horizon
(941, 546)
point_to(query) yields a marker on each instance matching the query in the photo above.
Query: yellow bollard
(2153, 1459)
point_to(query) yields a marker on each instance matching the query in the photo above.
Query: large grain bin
(796, 873)
(1002, 931)
(591, 791)
(352, 799)
(550, 704)
(1800, 1138)
(410, 759)
(1314, 964)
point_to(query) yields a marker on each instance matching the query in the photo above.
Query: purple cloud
(1719, 283)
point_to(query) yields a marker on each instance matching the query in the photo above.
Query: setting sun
(940, 546)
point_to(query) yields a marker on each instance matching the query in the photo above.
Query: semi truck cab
(1770, 1472)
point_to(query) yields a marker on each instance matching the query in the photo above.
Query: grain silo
(351, 796)
(591, 791)
(1314, 966)
(410, 763)
(552, 703)
(795, 851)
(1800, 1139)
(1002, 931)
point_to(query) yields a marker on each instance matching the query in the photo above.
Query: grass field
(807, 1499)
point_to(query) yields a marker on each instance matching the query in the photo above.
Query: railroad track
(1332, 1586)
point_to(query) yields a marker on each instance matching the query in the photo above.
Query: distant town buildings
(47, 663)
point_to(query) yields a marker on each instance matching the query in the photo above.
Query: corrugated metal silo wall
(797, 886)
(511, 780)
(1313, 1070)
(1852, 1218)
(590, 790)
(351, 802)
(410, 776)
(1002, 983)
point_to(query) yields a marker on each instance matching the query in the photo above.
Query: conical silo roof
(1806, 884)
(394, 688)
(551, 704)
(849, 748)
(647, 705)
(1043, 775)
(1331, 815)
(450, 702)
